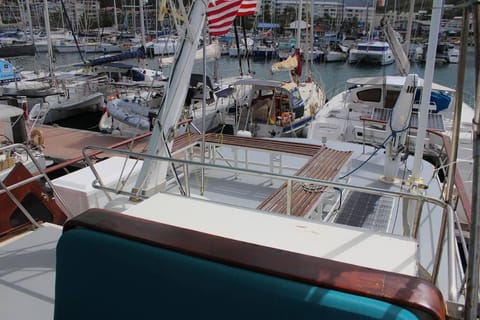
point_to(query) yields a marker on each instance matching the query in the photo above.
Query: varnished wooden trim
(10, 233)
(402, 290)
(303, 199)
(20, 173)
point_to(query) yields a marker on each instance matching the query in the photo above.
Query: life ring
(36, 137)
(286, 118)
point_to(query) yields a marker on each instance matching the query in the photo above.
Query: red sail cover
(220, 16)
(298, 70)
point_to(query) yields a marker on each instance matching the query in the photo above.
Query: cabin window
(370, 95)
(391, 98)
(296, 98)
(298, 105)
(265, 93)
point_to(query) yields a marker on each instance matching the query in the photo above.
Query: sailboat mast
(29, 18)
(115, 19)
(49, 41)
(312, 40)
(308, 48)
(299, 18)
(156, 19)
(142, 22)
(457, 114)
(471, 302)
(366, 22)
(408, 35)
(370, 30)
(427, 86)
(204, 105)
(152, 175)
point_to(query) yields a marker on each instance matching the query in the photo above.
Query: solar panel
(366, 211)
(435, 120)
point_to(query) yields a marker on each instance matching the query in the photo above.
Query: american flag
(220, 16)
(248, 7)
(221, 13)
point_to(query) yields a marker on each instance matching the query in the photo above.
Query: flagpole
(237, 42)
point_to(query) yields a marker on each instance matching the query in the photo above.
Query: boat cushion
(103, 273)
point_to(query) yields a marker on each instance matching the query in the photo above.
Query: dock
(64, 144)
(61, 144)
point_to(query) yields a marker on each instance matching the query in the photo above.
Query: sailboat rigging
(340, 243)
(472, 285)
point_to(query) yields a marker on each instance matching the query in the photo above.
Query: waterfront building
(338, 10)
(81, 13)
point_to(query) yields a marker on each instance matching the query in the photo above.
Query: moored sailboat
(374, 52)
(304, 228)
(278, 108)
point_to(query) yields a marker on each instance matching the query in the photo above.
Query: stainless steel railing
(448, 217)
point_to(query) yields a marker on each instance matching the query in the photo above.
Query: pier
(61, 144)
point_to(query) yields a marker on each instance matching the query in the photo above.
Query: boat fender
(273, 118)
(36, 137)
(116, 95)
(313, 108)
(244, 133)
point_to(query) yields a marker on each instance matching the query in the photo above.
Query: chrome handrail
(447, 212)
(8, 189)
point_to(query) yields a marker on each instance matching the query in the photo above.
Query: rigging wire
(180, 186)
(73, 33)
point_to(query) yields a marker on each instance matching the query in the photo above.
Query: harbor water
(331, 75)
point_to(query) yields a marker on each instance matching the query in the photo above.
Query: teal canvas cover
(103, 276)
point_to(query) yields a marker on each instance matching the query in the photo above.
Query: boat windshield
(372, 48)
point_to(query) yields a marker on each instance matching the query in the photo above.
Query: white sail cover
(212, 53)
(401, 59)
(286, 65)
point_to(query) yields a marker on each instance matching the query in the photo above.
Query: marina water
(331, 75)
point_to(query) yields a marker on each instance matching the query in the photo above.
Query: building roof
(358, 3)
(295, 25)
(264, 25)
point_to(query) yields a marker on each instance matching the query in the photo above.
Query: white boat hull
(48, 113)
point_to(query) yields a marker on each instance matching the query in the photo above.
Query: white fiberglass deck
(340, 243)
(366, 228)
(27, 274)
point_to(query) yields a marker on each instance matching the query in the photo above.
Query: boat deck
(281, 146)
(27, 274)
(65, 144)
(305, 198)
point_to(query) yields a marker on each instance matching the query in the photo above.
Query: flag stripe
(248, 7)
(220, 16)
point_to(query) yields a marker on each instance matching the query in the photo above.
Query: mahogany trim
(402, 290)
(4, 235)
(303, 199)
(264, 144)
(20, 173)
